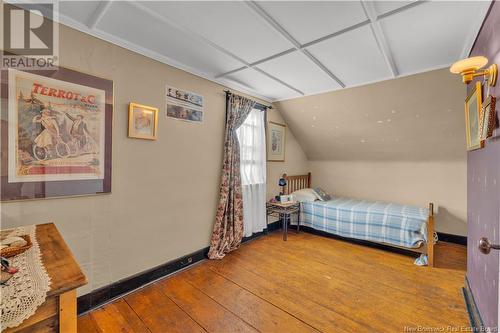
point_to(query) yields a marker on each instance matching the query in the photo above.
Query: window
(252, 137)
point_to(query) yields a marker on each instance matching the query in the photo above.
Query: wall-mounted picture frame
(184, 105)
(276, 135)
(142, 122)
(56, 134)
(488, 118)
(473, 105)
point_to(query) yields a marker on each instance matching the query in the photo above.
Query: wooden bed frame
(297, 182)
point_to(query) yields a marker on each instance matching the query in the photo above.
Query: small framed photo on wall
(142, 121)
(473, 105)
(276, 142)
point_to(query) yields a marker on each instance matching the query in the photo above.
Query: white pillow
(305, 195)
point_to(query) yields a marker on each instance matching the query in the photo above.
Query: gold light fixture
(469, 69)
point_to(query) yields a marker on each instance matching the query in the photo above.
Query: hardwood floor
(307, 284)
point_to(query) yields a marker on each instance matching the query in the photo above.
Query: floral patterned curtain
(228, 227)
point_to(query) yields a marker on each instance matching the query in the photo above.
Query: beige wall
(295, 158)
(164, 193)
(400, 140)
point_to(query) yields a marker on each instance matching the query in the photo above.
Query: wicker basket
(14, 251)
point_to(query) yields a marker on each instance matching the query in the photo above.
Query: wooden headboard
(297, 182)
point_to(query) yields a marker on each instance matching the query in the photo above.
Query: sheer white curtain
(252, 138)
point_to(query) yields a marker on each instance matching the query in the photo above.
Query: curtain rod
(228, 92)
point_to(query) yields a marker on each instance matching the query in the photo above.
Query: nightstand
(284, 212)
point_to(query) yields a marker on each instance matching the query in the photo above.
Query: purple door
(483, 192)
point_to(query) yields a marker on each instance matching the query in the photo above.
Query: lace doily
(27, 289)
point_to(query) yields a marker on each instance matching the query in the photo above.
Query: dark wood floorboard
(160, 313)
(115, 317)
(307, 284)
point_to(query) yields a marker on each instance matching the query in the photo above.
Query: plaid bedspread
(390, 223)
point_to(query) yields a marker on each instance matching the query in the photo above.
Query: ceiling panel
(310, 20)
(300, 72)
(230, 24)
(383, 7)
(353, 57)
(210, 38)
(163, 39)
(431, 35)
(80, 11)
(252, 80)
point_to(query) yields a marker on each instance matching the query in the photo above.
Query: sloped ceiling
(415, 118)
(285, 49)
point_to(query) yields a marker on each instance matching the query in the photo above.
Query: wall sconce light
(469, 69)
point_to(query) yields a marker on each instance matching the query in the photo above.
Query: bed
(401, 226)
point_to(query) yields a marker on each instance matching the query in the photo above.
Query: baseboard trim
(476, 322)
(103, 295)
(457, 239)
(270, 227)
(274, 226)
(106, 294)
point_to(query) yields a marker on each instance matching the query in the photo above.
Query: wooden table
(58, 313)
(284, 213)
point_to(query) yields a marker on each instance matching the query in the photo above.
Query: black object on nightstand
(284, 212)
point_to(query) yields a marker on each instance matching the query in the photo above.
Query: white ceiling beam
(337, 33)
(381, 42)
(401, 9)
(282, 31)
(323, 67)
(190, 32)
(274, 56)
(379, 36)
(253, 64)
(278, 80)
(100, 11)
(218, 76)
(98, 14)
(112, 39)
(272, 22)
(384, 47)
(201, 38)
(302, 47)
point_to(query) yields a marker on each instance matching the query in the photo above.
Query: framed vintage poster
(472, 115)
(184, 105)
(142, 121)
(276, 142)
(56, 134)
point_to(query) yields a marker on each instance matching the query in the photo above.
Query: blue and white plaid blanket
(390, 223)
